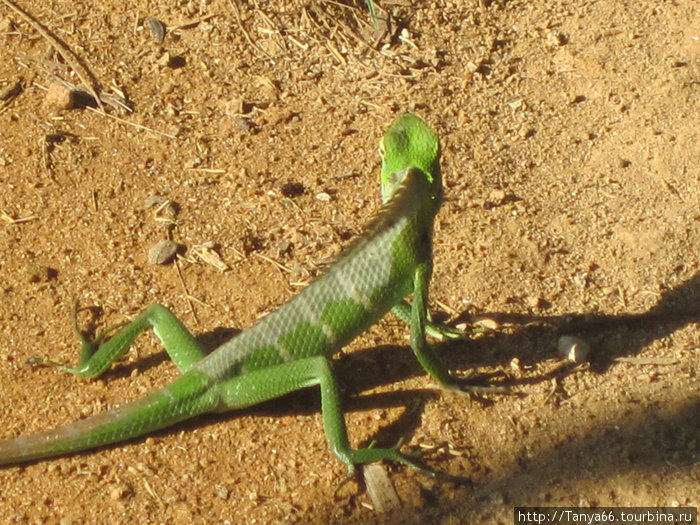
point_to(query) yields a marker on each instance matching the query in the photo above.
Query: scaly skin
(290, 348)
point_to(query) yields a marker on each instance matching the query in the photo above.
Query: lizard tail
(188, 396)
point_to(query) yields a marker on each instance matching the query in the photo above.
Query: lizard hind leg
(261, 385)
(97, 355)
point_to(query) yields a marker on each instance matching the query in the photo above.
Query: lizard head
(410, 142)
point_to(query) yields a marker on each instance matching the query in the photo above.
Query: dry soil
(571, 165)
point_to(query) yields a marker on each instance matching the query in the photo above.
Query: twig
(71, 58)
(193, 23)
(133, 124)
(12, 220)
(187, 294)
(380, 489)
(280, 266)
(237, 14)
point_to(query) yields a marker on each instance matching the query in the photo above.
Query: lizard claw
(349, 477)
(443, 332)
(463, 389)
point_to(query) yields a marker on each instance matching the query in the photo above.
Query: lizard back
(369, 277)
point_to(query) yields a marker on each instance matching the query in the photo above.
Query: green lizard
(292, 347)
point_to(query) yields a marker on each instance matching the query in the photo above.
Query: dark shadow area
(652, 443)
(611, 335)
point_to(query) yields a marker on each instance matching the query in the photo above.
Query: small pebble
(164, 59)
(59, 96)
(162, 252)
(283, 247)
(516, 366)
(534, 301)
(573, 348)
(119, 492)
(497, 196)
(156, 27)
(155, 200)
(221, 491)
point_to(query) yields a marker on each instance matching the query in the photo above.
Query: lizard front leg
(424, 352)
(438, 331)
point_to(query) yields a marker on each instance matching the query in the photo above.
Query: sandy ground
(571, 165)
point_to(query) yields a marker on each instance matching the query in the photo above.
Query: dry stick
(346, 28)
(192, 23)
(133, 124)
(274, 29)
(11, 220)
(71, 58)
(237, 13)
(188, 297)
